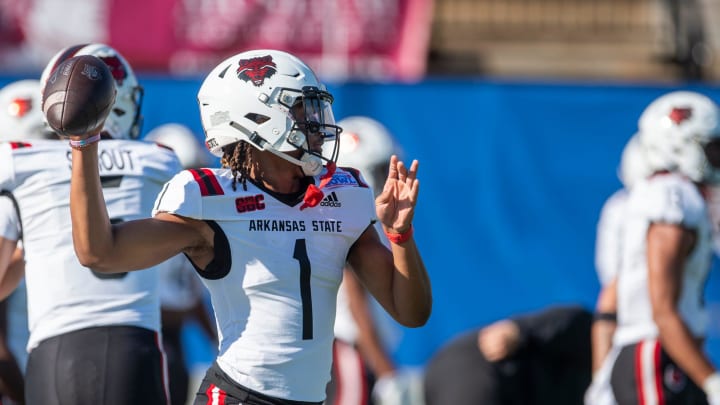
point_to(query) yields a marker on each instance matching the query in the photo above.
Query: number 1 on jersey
(300, 254)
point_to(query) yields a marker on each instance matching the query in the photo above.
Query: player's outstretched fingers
(78, 96)
(412, 173)
(392, 170)
(402, 171)
(413, 182)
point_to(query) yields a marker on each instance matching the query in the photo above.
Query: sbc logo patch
(250, 203)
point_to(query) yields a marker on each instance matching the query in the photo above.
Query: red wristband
(398, 238)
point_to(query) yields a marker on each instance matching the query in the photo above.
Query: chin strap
(314, 194)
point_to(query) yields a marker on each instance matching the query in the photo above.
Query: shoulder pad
(183, 194)
(671, 200)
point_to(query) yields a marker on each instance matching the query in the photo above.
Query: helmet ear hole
(297, 138)
(257, 118)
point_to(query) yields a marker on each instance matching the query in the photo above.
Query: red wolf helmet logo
(256, 70)
(116, 68)
(678, 115)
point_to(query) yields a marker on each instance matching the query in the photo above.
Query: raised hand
(395, 206)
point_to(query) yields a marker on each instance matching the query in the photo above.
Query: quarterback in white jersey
(63, 295)
(666, 255)
(94, 338)
(271, 255)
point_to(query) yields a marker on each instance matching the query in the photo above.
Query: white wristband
(711, 385)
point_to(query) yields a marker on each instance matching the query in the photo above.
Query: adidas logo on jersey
(330, 200)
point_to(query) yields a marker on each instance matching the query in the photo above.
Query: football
(78, 96)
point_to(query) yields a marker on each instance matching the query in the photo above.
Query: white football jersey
(62, 295)
(608, 240)
(670, 199)
(275, 276)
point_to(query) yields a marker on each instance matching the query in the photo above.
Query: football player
(666, 255)
(271, 255)
(608, 253)
(539, 358)
(94, 337)
(21, 118)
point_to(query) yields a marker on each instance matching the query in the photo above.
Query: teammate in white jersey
(21, 118)
(360, 352)
(270, 254)
(182, 296)
(94, 337)
(666, 255)
(608, 252)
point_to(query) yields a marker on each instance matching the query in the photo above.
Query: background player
(21, 119)
(667, 251)
(363, 371)
(93, 337)
(538, 358)
(608, 258)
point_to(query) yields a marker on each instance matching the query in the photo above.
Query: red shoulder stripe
(207, 182)
(18, 145)
(164, 146)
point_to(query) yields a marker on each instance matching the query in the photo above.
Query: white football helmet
(270, 99)
(21, 115)
(125, 120)
(366, 145)
(633, 163)
(182, 140)
(680, 131)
